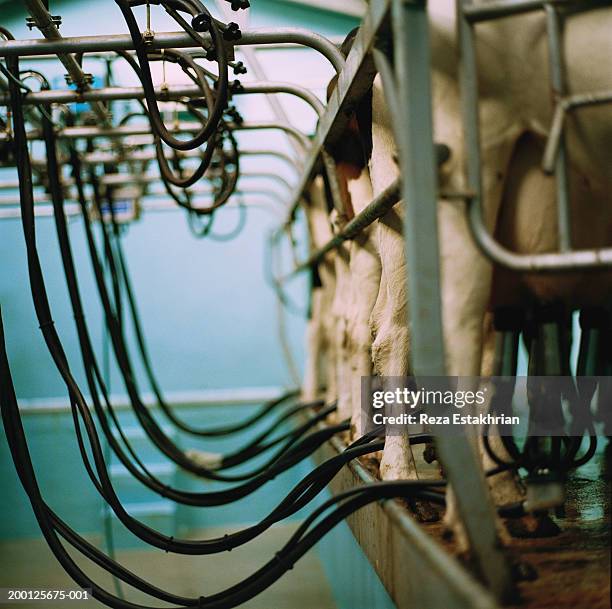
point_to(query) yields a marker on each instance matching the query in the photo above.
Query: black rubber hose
(51, 338)
(149, 90)
(166, 174)
(283, 560)
(295, 548)
(147, 421)
(269, 572)
(120, 269)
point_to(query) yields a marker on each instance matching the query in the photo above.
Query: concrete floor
(30, 564)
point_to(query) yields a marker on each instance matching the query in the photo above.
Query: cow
(518, 199)
(360, 269)
(321, 332)
(356, 266)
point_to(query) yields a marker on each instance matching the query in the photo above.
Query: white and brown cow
(356, 268)
(519, 200)
(321, 331)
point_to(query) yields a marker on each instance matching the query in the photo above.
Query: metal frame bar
(71, 210)
(171, 93)
(300, 138)
(8, 201)
(377, 208)
(270, 46)
(123, 178)
(495, 9)
(419, 191)
(555, 156)
(564, 105)
(174, 40)
(268, 175)
(353, 82)
(45, 24)
(134, 130)
(555, 53)
(294, 163)
(91, 158)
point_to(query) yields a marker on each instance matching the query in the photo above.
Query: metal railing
(555, 157)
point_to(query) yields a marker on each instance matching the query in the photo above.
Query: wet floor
(574, 567)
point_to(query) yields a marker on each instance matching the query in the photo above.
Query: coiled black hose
(196, 9)
(119, 270)
(50, 524)
(149, 424)
(223, 130)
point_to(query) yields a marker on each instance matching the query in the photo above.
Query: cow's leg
(328, 328)
(391, 347)
(315, 348)
(330, 361)
(466, 277)
(340, 307)
(505, 487)
(365, 279)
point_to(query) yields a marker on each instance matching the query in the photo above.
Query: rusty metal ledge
(412, 566)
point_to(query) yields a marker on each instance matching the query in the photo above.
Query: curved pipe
(534, 263)
(120, 179)
(42, 202)
(265, 86)
(294, 163)
(301, 138)
(175, 40)
(73, 209)
(265, 175)
(105, 157)
(136, 130)
(175, 92)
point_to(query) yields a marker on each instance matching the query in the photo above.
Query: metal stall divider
(419, 190)
(418, 164)
(555, 155)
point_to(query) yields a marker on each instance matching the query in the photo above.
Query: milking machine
(553, 438)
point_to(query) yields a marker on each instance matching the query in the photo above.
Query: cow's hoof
(533, 526)
(429, 453)
(523, 571)
(424, 511)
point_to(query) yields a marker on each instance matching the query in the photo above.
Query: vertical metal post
(419, 191)
(329, 166)
(555, 56)
(419, 184)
